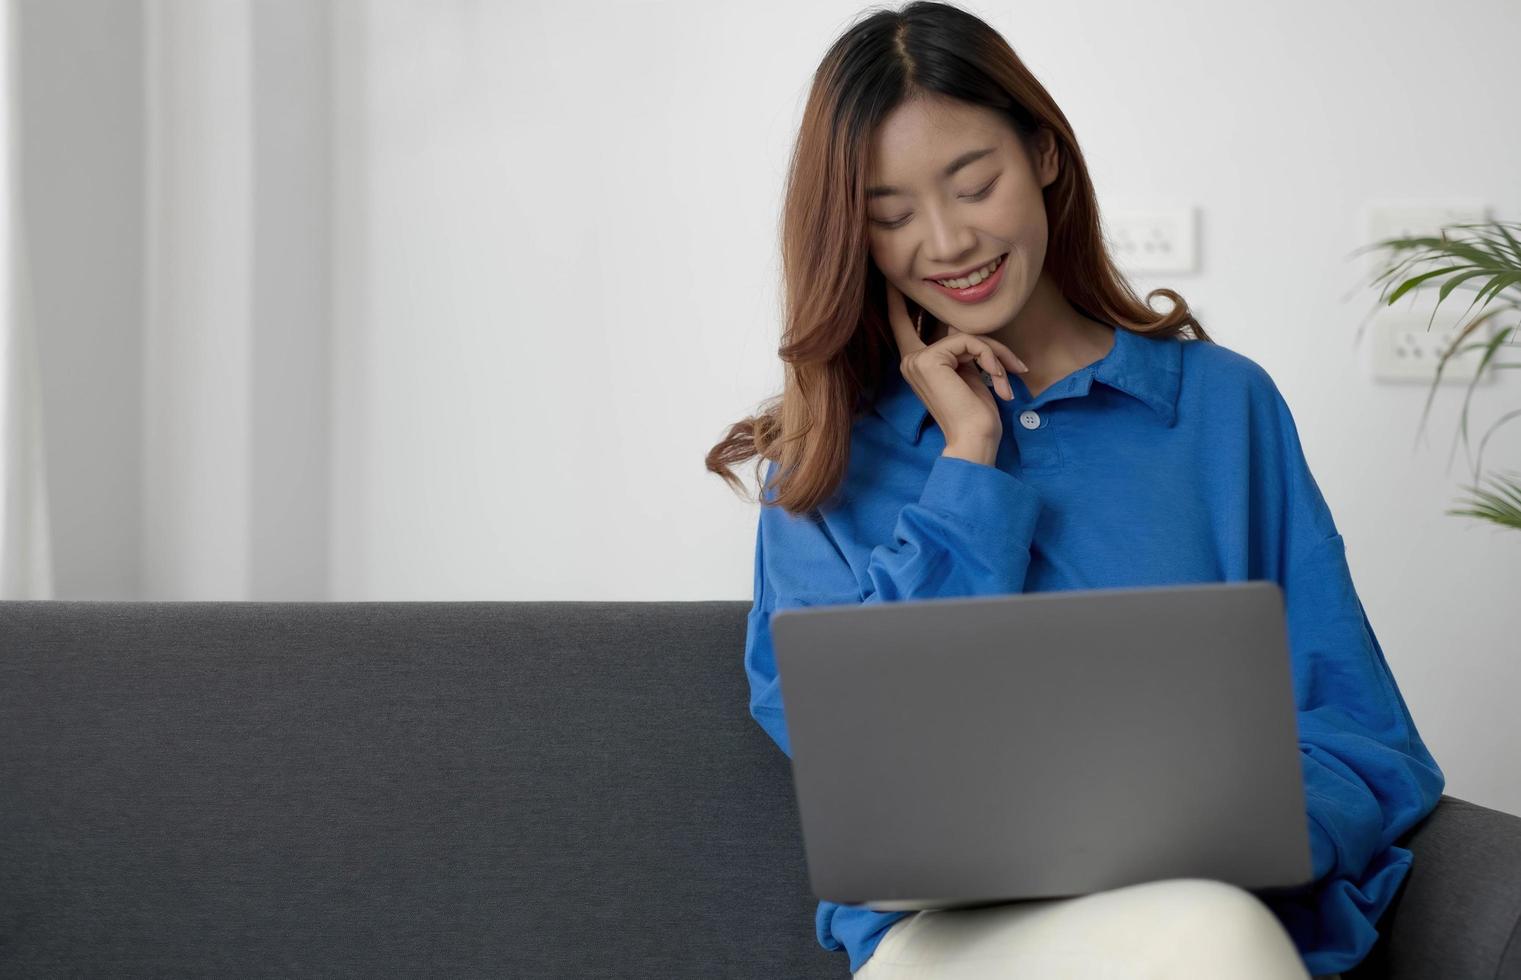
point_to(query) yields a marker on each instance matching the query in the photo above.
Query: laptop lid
(964, 751)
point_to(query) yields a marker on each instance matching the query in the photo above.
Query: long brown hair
(836, 340)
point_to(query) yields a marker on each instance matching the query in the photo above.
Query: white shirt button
(1029, 420)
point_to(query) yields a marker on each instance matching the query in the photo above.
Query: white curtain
(26, 568)
(224, 361)
(236, 319)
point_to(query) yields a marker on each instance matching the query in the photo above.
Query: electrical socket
(1153, 240)
(1411, 219)
(1405, 349)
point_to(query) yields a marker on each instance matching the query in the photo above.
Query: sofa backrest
(505, 789)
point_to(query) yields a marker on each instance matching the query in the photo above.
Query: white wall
(554, 286)
(564, 286)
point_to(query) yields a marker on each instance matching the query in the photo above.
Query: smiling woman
(999, 221)
(939, 217)
(918, 169)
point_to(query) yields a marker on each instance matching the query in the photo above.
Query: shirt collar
(1147, 368)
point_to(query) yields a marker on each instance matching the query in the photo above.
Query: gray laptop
(969, 751)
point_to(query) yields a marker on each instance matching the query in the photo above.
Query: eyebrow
(969, 157)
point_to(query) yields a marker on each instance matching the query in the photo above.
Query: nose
(949, 241)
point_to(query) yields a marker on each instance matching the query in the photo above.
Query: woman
(1078, 441)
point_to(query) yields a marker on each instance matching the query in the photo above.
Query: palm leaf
(1501, 506)
(1488, 262)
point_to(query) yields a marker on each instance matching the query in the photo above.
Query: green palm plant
(1485, 257)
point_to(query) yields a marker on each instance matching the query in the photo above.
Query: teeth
(974, 278)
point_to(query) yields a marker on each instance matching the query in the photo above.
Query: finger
(976, 360)
(973, 378)
(995, 371)
(902, 326)
(1004, 355)
(1007, 356)
(990, 370)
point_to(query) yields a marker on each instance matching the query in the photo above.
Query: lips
(979, 293)
(967, 271)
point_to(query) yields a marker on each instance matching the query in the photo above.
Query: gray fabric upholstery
(1459, 910)
(468, 789)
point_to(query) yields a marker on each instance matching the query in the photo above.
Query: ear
(1047, 159)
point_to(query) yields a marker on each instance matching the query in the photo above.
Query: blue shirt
(1167, 461)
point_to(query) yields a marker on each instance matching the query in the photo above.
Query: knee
(1206, 906)
(1204, 897)
(1213, 922)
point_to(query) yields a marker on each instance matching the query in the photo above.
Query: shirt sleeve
(1368, 775)
(968, 534)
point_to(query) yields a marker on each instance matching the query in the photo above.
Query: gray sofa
(467, 789)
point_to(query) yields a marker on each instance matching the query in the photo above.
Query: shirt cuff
(983, 497)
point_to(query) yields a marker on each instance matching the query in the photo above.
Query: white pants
(1177, 929)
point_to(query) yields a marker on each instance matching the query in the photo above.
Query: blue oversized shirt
(1167, 461)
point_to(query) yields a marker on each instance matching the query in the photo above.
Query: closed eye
(976, 196)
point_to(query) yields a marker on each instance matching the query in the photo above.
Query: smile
(972, 288)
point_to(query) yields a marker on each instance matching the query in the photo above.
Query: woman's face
(926, 224)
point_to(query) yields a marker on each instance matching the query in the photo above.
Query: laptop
(969, 751)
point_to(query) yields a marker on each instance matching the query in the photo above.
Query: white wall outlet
(1382, 220)
(1153, 240)
(1404, 349)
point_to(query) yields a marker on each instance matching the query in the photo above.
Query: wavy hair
(837, 344)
